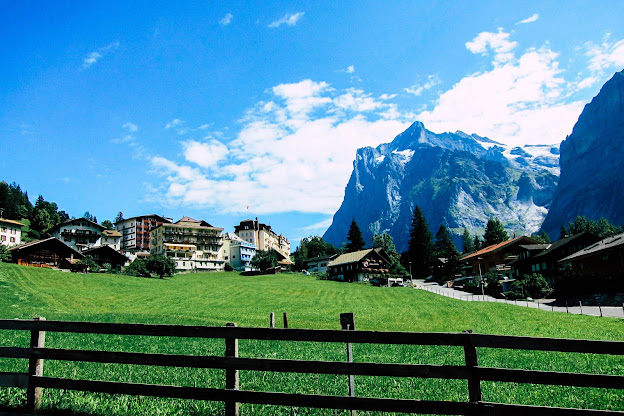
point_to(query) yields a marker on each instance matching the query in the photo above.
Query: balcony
(79, 233)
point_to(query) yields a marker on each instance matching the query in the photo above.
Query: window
(2, 237)
(12, 239)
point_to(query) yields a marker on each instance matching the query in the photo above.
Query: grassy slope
(214, 299)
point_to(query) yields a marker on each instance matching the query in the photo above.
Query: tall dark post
(470, 354)
(231, 375)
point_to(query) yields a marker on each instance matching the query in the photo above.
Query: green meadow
(218, 298)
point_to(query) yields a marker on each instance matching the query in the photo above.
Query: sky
(228, 110)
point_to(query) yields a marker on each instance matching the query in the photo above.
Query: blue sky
(226, 110)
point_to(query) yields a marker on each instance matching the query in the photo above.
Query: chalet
(10, 232)
(319, 264)
(359, 266)
(79, 233)
(107, 254)
(496, 258)
(604, 259)
(50, 252)
(545, 260)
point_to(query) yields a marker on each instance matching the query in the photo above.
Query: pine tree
(445, 249)
(468, 242)
(119, 217)
(420, 247)
(494, 232)
(477, 243)
(356, 241)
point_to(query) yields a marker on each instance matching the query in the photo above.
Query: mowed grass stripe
(218, 298)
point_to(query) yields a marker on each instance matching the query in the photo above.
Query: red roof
(495, 247)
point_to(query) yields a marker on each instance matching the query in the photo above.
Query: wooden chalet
(106, 254)
(604, 259)
(359, 266)
(496, 258)
(50, 252)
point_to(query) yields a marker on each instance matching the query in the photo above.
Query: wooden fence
(34, 380)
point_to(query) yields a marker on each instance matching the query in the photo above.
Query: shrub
(137, 268)
(88, 261)
(534, 285)
(228, 267)
(5, 254)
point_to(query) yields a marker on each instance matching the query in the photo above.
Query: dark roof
(106, 251)
(58, 226)
(602, 245)
(52, 243)
(11, 222)
(563, 241)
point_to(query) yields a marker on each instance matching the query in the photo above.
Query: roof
(67, 250)
(351, 257)
(11, 222)
(602, 245)
(203, 224)
(107, 250)
(321, 258)
(111, 233)
(496, 247)
(535, 246)
(78, 219)
(163, 218)
(563, 241)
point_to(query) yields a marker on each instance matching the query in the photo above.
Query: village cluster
(194, 245)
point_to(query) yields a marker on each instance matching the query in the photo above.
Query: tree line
(39, 218)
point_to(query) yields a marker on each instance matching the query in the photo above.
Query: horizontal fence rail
(34, 380)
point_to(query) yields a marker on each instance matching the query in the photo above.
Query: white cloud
(131, 127)
(498, 42)
(417, 89)
(350, 69)
(288, 20)
(606, 55)
(95, 56)
(387, 96)
(205, 154)
(519, 101)
(529, 19)
(226, 20)
(294, 152)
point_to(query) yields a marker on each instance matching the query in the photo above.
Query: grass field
(215, 299)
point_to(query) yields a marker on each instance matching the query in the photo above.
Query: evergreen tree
(386, 243)
(494, 232)
(477, 243)
(107, 224)
(264, 260)
(354, 236)
(468, 242)
(602, 227)
(445, 249)
(420, 247)
(119, 217)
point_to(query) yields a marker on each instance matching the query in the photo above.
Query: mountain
(456, 179)
(592, 162)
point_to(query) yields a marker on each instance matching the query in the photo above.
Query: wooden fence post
(35, 369)
(581, 306)
(348, 324)
(470, 354)
(285, 320)
(272, 320)
(231, 376)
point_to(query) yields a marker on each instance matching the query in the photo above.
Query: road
(544, 304)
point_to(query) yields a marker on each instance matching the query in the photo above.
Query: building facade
(263, 237)
(80, 233)
(10, 232)
(238, 252)
(135, 232)
(193, 245)
(112, 239)
(359, 266)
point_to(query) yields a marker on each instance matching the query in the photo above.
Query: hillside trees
(386, 243)
(356, 241)
(310, 247)
(420, 248)
(160, 265)
(14, 204)
(602, 227)
(494, 232)
(468, 242)
(264, 260)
